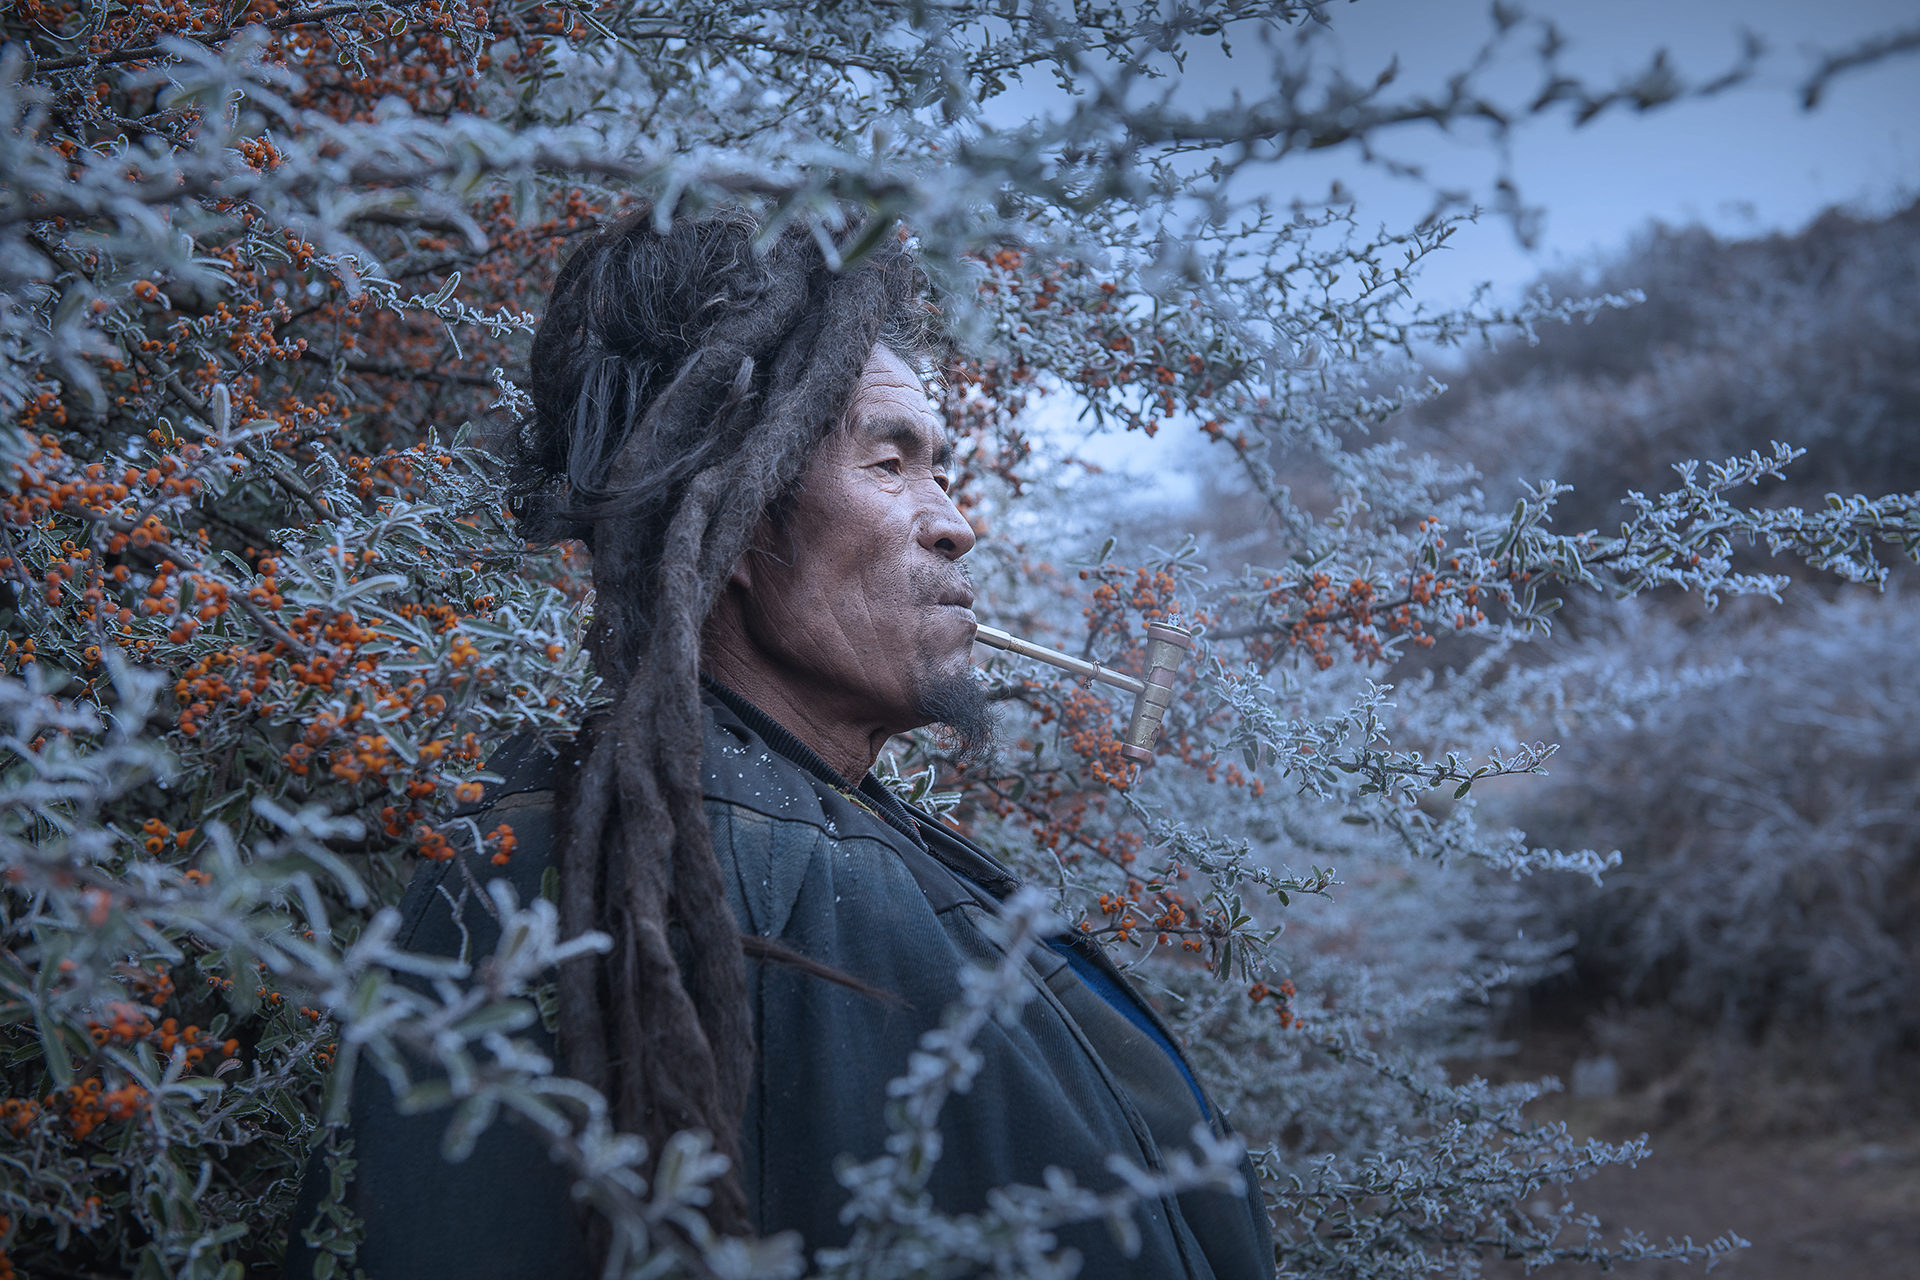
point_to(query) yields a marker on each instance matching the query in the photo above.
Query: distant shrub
(1771, 877)
(1812, 338)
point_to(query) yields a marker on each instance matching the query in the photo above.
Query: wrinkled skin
(854, 621)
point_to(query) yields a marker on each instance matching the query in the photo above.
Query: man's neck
(847, 744)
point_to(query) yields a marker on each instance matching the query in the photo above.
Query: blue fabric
(1109, 990)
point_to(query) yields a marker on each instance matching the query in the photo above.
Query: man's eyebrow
(909, 435)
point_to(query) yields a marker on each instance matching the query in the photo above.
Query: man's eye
(891, 466)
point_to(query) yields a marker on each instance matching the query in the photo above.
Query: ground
(1820, 1192)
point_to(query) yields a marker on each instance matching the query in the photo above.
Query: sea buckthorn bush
(266, 272)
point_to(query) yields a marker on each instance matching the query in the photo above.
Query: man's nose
(945, 530)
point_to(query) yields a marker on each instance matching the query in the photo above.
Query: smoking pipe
(1166, 648)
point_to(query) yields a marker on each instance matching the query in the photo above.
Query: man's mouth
(961, 602)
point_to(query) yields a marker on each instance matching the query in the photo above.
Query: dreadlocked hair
(681, 379)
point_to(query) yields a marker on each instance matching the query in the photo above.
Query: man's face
(861, 599)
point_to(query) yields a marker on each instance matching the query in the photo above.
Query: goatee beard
(960, 711)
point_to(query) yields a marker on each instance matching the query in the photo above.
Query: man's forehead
(890, 404)
(895, 411)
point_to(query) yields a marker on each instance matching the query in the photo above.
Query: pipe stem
(995, 638)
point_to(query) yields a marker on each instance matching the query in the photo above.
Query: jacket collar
(869, 792)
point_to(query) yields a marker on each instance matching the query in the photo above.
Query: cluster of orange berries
(145, 23)
(1282, 1006)
(982, 404)
(87, 1105)
(249, 327)
(323, 1055)
(266, 592)
(170, 1035)
(1110, 372)
(1324, 612)
(158, 836)
(444, 617)
(502, 842)
(546, 238)
(1046, 294)
(1157, 905)
(128, 1023)
(46, 408)
(48, 480)
(428, 75)
(1214, 429)
(169, 599)
(396, 821)
(204, 685)
(259, 153)
(1353, 613)
(410, 470)
(542, 21)
(1165, 383)
(1438, 591)
(302, 252)
(1059, 824)
(1058, 819)
(334, 643)
(155, 985)
(1086, 725)
(1150, 594)
(18, 1114)
(372, 757)
(433, 844)
(290, 414)
(77, 569)
(389, 474)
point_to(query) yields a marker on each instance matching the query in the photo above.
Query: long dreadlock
(681, 380)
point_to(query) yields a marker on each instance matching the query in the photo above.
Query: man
(744, 442)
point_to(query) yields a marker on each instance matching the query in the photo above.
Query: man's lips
(960, 602)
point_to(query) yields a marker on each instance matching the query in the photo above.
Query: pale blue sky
(1748, 161)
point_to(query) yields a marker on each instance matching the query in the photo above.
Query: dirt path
(1828, 1206)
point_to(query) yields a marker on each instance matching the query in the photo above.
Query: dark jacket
(886, 894)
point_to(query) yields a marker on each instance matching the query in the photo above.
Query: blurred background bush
(1744, 984)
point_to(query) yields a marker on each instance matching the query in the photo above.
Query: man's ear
(761, 545)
